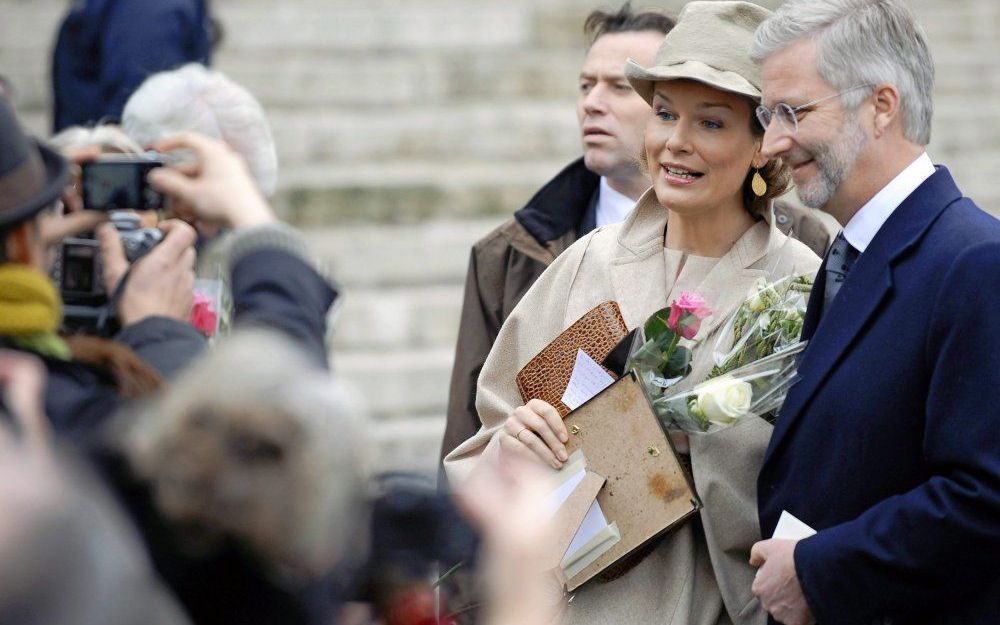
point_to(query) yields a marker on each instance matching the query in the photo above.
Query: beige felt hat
(710, 44)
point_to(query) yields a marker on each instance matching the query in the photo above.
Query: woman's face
(699, 147)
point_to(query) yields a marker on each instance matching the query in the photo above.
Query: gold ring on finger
(519, 432)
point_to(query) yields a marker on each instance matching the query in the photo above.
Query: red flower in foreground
(415, 606)
(203, 316)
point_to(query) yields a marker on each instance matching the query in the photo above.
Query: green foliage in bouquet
(768, 321)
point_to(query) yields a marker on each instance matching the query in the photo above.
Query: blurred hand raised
(216, 186)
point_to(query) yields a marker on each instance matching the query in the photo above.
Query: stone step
(410, 444)
(380, 255)
(408, 192)
(305, 78)
(476, 131)
(398, 382)
(386, 318)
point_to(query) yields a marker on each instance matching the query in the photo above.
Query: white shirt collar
(865, 224)
(612, 206)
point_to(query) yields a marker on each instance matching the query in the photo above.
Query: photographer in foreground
(88, 378)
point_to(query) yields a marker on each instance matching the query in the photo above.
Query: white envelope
(789, 527)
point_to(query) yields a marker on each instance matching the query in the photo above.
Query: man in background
(597, 189)
(106, 48)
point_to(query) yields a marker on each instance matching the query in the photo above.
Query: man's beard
(833, 162)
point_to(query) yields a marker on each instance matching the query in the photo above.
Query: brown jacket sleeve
(477, 330)
(502, 267)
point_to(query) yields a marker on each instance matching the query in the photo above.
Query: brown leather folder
(546, 375)
(647, 492)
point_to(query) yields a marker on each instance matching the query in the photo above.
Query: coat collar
(866, 287)
(639, 269)
(560, 205)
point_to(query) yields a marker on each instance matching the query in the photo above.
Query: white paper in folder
(588, 379)
(595, 535)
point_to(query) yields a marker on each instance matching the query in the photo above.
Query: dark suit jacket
(889, 443)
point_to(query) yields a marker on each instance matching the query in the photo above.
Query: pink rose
(693, 303)
(203, 316)
(686, 313)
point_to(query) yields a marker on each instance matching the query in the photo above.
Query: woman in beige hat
(706, 226)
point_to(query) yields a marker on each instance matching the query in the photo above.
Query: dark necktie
(839, 261)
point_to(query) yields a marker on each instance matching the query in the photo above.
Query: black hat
(32, 176)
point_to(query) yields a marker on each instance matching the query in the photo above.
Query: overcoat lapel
(866, 287)
(639, 275)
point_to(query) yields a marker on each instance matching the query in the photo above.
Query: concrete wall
(406, 129)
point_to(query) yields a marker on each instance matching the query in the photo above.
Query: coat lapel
(728, 284)
(815, 306)
(639, 275)
(864, 290)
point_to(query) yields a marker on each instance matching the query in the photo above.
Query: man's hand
(216, 187)
(161, 282)
(777, 585)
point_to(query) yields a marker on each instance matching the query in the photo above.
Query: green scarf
(31, 311)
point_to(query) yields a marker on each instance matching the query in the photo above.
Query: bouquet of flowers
(757, 388)
(755, 362)
(769, 321)
(661, 361)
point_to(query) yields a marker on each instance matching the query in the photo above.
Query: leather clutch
(546, 375)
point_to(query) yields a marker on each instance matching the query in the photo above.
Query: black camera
(118, 181)
(78, 270)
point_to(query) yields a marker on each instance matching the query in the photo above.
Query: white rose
(724, 399)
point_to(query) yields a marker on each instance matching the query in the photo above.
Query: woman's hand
(536, 428)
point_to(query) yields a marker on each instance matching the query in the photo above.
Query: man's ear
(888, 108)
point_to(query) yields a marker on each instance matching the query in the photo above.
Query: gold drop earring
(758, 184)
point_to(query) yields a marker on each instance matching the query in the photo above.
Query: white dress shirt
(866, 223)
(612, 206)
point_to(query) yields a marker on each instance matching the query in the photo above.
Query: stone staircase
(408, 129)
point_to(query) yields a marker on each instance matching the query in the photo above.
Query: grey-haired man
(887, 444)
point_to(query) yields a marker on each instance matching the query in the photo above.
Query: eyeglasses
(787, 115)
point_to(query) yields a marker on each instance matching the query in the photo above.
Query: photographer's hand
(217, 187)
(161, 282)
(74, 219)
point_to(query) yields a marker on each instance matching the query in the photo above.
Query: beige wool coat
(699, 574)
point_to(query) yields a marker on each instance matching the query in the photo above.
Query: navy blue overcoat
(889, 442)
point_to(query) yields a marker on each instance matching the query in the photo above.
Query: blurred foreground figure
(247, 481)
(106, 48)
(67, 556)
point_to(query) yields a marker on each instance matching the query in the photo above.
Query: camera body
(118, 181)
(78, 270)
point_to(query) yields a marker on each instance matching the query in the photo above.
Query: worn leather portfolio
(546, 375)
(647, 491)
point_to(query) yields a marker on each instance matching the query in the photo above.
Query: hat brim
(643, 79)
(56, 178)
